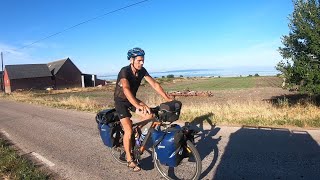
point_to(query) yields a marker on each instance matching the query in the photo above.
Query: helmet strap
(132, 65)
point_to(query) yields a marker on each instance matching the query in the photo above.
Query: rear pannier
(109, 127)
(170, 111)
(107, 116)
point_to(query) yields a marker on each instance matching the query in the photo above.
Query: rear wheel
(189, 167)
(119, 154)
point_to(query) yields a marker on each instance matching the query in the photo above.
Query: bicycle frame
(152, 126)
(155, 124)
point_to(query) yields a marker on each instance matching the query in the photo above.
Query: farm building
(57, 74)
(65, 74)
(26, 76)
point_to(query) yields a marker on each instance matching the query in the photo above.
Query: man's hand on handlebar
(144, 108)
(169, 99)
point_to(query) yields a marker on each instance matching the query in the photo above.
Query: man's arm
(156, 86)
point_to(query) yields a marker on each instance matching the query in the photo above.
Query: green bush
(170, 76)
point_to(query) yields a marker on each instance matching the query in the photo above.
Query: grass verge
(71, 102)
(280, 113)
(254, 113)
(13, 166)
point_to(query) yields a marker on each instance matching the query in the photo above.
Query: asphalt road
(68, 143)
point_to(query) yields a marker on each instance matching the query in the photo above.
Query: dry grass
(88, 89)
(232, 112)
(257, 113)
(71, 102)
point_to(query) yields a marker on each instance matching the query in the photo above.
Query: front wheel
(189, 167)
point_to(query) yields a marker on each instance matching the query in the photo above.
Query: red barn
(26, 76)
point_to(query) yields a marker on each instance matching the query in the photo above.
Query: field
(256, 101)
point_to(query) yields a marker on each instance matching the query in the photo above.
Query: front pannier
(167, 146)
(170, 111)
(108, 126)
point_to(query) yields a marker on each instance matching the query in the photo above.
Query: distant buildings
(57, 74)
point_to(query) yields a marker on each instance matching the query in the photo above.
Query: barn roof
(55, 66)
(22, 71)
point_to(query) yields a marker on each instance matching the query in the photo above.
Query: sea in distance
(225, 72)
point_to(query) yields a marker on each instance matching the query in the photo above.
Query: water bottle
(143, 134)
(136, 137)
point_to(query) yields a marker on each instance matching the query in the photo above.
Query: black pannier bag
(170, 111)
(107, 116)
(109, 127)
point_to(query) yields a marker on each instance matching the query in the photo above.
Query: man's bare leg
(127, 128)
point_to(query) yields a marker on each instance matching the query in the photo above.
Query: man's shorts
(123, 107)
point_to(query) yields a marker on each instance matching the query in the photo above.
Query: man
(128, 82)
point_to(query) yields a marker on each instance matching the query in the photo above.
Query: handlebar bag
(170, 111)
(168, 147)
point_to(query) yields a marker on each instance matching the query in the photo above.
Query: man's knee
(127, 126)
(147, 116)
(128, 132)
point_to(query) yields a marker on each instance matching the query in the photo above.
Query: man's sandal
(133, 166)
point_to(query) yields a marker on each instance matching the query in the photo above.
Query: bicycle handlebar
(155, 110)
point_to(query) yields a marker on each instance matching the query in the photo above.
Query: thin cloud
(13, 56)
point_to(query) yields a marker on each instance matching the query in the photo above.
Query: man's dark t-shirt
(134, 82)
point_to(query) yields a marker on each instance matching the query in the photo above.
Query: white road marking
(43, 159)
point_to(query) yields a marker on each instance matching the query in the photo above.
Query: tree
(301, 51)
(170, 76)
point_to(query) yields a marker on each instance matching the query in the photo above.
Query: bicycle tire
(172, 173)
(119, 154)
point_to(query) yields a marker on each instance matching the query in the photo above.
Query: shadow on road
(206, 143)
(269, 153)
(294, 99)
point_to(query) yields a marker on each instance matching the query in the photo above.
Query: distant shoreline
(207, 73)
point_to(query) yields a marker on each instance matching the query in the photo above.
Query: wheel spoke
(189, 167)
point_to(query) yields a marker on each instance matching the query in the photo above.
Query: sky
(175, 34)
